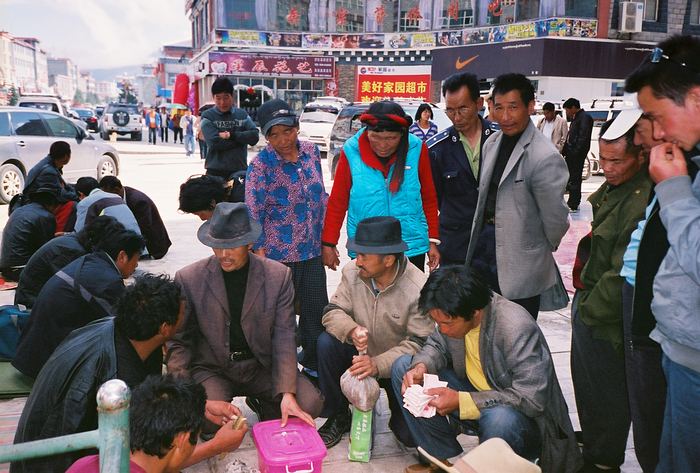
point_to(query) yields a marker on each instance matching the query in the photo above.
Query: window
(4, 125)
(60, 126)
(618, 89)
(453, 13)
(651, 8)
(28, 124)
(695, 12)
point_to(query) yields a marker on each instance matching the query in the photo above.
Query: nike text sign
(380, 83)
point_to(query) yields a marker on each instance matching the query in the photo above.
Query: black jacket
(62, 401)
(46, 172)
(456, 189)
(80, 293)
(27, 229)
(578, 141)
(150, 222)
(46, 262)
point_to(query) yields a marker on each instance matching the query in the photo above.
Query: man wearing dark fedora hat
(237, 336)
(374, 312)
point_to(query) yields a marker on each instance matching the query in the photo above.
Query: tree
(92, 98)
(129, 90)
(13, 95)
(78, 97)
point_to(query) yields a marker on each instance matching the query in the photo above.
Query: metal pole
(113, 419)
(112, 436)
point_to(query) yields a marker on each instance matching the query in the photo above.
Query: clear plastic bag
(362, 393)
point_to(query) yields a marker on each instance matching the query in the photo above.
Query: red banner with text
(381, 83)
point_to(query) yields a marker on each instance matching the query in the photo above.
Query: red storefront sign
(379, 83)
(271, 65)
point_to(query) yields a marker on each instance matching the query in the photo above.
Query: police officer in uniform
(455, 156)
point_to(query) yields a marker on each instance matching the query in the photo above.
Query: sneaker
(335, 427)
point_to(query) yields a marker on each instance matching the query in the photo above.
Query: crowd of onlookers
(480, 206)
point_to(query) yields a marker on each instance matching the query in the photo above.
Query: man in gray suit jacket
(237, 336)
(500, 375)
(553, 126)
(521, 215)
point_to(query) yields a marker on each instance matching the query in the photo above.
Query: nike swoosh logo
(460, 64)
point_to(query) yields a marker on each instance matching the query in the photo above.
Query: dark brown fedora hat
(377, 236)
(230, 226)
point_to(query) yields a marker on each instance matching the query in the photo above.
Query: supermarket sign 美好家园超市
(387, 82)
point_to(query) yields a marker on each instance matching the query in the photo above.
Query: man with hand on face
(228, 131)
(455, 158)
(668, 89)
(238, 331)
(521, 215)
(597, 355)
(373, 312)
(499, 372)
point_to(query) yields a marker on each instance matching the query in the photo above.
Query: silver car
(25, 138)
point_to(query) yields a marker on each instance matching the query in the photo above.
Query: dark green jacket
(616, 213)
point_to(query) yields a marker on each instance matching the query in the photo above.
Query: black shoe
(254, 404)
(335, 427)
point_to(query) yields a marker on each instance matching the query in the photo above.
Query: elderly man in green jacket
(597, 357)
(371, 320)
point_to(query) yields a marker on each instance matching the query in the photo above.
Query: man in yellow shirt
(500, 375)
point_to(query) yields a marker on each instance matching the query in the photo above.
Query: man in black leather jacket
(127, 347)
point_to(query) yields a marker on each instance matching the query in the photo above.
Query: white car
(316, 121)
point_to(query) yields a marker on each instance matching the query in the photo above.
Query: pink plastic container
(294, 448)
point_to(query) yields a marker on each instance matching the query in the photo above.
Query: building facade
(376, 48)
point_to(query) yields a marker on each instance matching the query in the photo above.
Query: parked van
(317, 120)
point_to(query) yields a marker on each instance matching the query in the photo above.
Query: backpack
(12, 322)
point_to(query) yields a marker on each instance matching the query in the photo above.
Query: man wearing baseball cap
(597, 354)
(646, 382)
(237, 336)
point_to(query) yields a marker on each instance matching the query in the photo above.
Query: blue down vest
(370, 196)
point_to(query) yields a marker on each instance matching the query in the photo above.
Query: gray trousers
(600, 388)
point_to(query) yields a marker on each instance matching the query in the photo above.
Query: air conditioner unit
(631, 16)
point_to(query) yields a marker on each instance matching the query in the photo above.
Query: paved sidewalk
(159, 170)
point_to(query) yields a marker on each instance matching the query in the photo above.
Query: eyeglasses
(658, 54)
(461, 111)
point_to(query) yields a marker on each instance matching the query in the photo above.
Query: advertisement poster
(386, 82)
(271, 65)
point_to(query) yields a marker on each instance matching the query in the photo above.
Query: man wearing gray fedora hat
(237, 336)
(375, 310)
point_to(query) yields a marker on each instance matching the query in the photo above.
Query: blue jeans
(438, 437)
(680, 436)
(189, 144)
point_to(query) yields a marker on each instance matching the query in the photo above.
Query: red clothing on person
(339, 200)
(91, 464)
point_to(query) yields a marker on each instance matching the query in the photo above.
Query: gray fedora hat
(230, 226)
(377, 236)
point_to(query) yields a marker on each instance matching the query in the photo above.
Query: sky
(97, 34)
